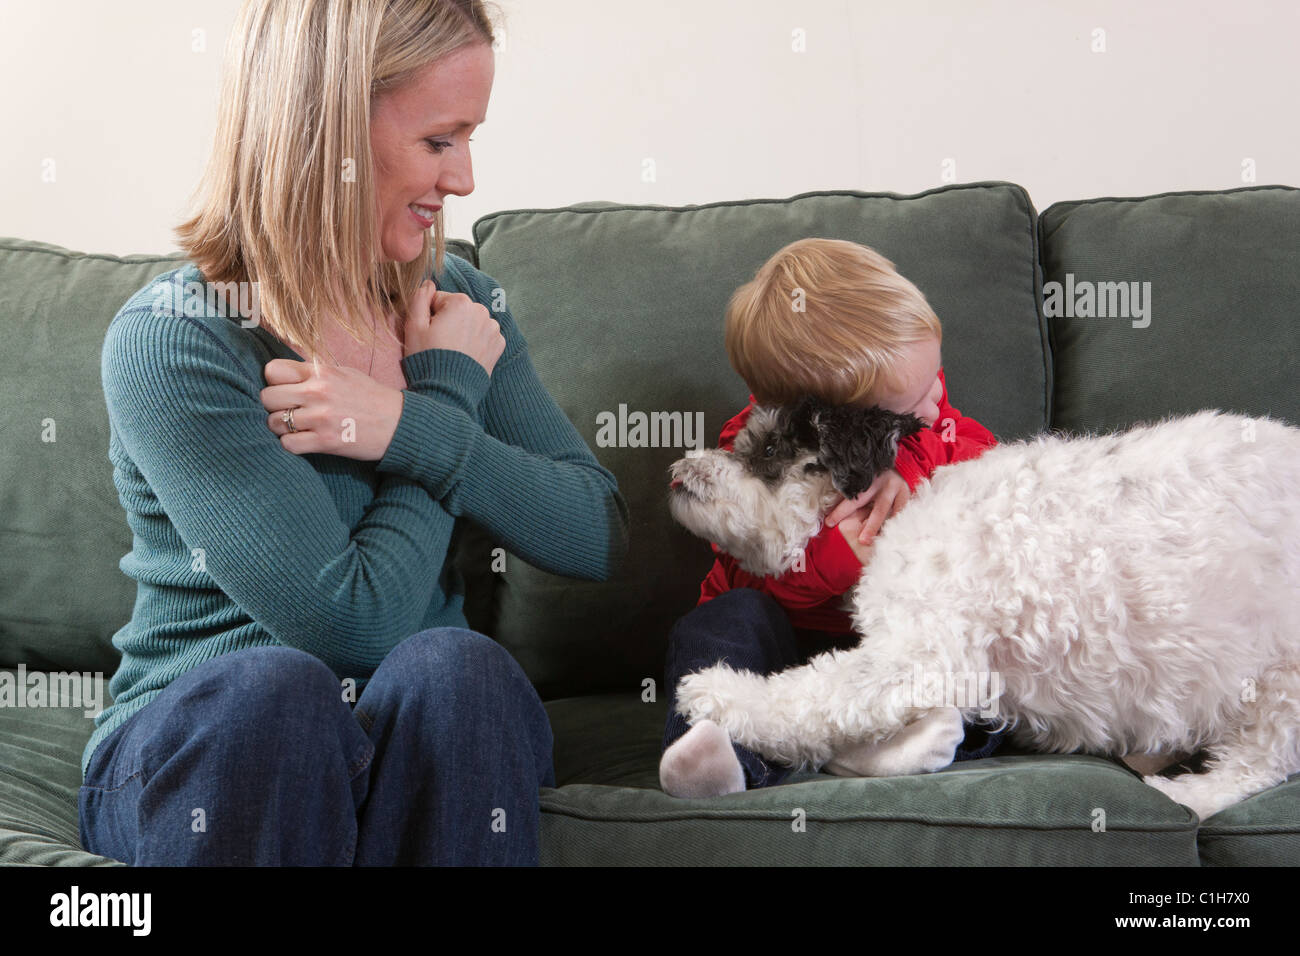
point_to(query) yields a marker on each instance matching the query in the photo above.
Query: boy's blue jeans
(255, 758)
(752, 632)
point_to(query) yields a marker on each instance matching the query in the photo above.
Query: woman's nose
(457, 176)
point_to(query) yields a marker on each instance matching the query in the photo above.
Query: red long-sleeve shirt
(812, 597)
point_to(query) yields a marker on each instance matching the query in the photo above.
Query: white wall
(712, 91)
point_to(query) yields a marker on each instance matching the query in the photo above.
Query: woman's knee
(455, 654)
(457, 692)
(247, 705)
(267, 686)
(455, 676)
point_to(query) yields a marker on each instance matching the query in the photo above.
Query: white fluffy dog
(1127, 593)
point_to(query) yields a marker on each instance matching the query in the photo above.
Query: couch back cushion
(1173, 303)
(64, 530)
(622, 307)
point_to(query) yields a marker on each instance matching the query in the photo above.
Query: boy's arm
(830, 568)
(953, 438)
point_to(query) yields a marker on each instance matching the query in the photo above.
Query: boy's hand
(851, 527)
(887, 496)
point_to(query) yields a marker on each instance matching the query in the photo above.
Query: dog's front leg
(927, 744)
(799, 716)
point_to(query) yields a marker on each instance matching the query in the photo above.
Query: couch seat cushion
(1261, 831)
(1027, 810)
(40, 774)
(608, 809)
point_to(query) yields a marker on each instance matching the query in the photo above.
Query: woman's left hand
(336, 410)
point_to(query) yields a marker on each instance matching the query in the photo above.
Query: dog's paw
(707, 694)
(1201, 793)
(923, 746)
(735, 700)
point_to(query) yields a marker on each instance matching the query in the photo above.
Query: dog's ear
(857, 444)
(802, 420)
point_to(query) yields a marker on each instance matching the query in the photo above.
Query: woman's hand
(336, 410)
(886, 497)
(452, 320)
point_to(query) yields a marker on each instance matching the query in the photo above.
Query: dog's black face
(854, 444)
(763, 500)
(773, 440)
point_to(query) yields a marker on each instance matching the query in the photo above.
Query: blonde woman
(298, 684)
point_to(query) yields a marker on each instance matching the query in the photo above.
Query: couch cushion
(1003, 811)
(64, 530)
(40, 774)
(622, 307)
(1224, 288)
(607, 808)
(1263, 830)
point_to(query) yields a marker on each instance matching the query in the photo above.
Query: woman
(298, 684)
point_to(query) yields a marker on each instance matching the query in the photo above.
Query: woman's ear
(858, 444)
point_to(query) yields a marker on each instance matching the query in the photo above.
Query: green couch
(622, 308)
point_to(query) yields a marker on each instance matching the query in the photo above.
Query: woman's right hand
(452, 320)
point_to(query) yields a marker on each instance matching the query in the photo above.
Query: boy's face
(921, 388)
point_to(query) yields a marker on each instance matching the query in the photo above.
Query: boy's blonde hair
(288, 196)
(825, 317)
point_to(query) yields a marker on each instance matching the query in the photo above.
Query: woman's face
(419, 136)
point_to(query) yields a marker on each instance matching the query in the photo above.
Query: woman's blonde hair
(287, 201)
(825, 317)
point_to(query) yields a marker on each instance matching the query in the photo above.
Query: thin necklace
(374, 338)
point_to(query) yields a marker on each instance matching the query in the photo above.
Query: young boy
(833, 319)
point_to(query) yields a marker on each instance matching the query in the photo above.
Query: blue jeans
(752, 632)
(254, 758)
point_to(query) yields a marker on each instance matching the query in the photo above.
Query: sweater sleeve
(499, 451)
(952, 438)
(190, 417)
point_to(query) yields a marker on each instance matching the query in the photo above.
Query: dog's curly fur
(1135, 592)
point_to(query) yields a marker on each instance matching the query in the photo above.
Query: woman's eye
(439, 145)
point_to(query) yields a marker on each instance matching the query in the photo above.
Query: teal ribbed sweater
(240, 543)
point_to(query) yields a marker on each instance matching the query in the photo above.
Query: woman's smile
(423, 215)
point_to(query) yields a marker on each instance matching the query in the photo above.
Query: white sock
(701, 763)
